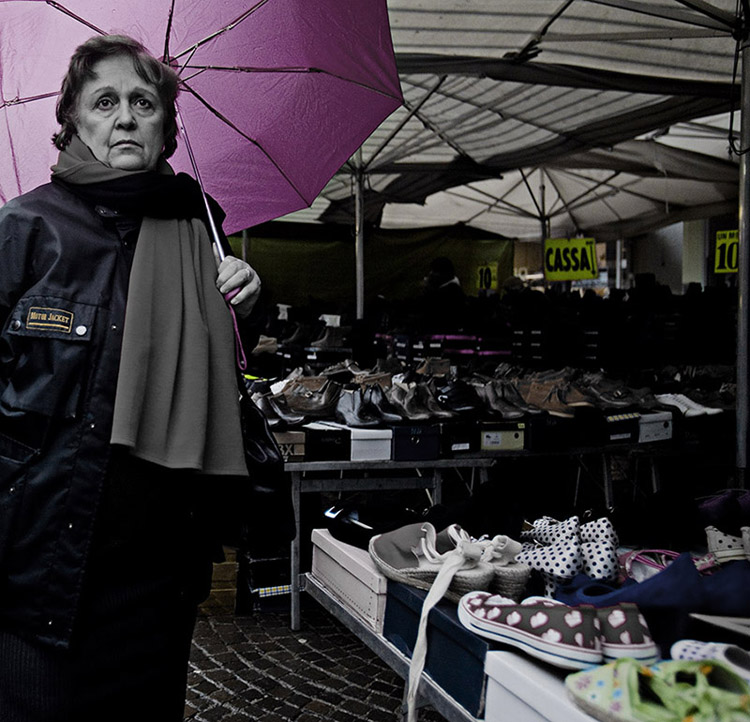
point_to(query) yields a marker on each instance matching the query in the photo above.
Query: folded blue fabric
(678, 586)
(727, 591)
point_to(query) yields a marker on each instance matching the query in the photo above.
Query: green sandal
(672, 691)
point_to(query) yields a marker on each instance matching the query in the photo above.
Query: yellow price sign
(727, 251)
(570, 259)
(487, 277)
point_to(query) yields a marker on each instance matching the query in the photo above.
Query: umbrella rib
(69, 13)
(168, 32)
(231, 125)
(30, 99)
(300, 69)
(412, 112)
(221, 31)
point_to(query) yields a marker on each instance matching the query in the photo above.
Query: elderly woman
(118, 404)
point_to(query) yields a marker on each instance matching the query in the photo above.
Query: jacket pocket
(15, 458)
(49, 340)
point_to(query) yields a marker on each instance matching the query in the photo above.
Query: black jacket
(64, 270)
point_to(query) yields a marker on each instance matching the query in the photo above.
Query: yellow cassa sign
(570, 259)
(726, 253)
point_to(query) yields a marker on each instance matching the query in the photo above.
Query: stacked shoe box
(362, 444)
(324, 442)
(415, 443)
(460, 348)
(424, 347)
(350, 575)
(402, 348)
(656, 426)
(458, 439)
(519, 688)
(501, 436)
(292, 444)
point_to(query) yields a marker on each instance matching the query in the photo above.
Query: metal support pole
(618, 263)
(245, 245)
(743, 272)
(359, 247)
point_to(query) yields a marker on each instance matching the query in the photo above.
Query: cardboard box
(621, 428)
(351, 576)
(655, 427)
(371, 444)
(455, 656)
(415, 443)
(545, 432)
(501, 436)
(458, 438)
(324, 442)
(520, 688)
(292, 444)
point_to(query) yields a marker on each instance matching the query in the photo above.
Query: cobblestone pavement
(255, 668)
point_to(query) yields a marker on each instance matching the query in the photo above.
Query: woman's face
(120, 116)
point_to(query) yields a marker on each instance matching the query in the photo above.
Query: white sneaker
(687, 406)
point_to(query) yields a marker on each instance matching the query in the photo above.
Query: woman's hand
(236, 275)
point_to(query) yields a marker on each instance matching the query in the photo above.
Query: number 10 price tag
(726, 255)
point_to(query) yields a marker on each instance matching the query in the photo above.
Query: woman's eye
(144, 103)
(104, 103)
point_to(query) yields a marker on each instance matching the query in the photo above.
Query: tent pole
(742, 272)
(359, 247)
(618, 263)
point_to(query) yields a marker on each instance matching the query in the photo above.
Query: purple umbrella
(275, 94)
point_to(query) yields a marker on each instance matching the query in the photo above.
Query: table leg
(295, 553)
(437, 480)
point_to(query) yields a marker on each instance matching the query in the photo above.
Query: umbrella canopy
(491, 88)
(275, 94)
(610, 193)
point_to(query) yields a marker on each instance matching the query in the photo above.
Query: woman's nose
(125, 116)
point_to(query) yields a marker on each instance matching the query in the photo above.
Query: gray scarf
(177, 403)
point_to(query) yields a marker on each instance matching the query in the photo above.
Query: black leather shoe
(278, 404)
(456, 396)
(378, 405)
(351, 410)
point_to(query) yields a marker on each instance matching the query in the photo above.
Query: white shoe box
(520, 689)
(655, 427)
(371, 444)
(366, 444)
(349, 573)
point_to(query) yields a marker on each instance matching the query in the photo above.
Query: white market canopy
(504, 98)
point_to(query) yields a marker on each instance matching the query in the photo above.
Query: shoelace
(467, 553)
